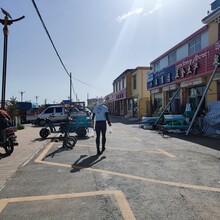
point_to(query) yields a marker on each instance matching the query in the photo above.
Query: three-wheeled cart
(78, 124)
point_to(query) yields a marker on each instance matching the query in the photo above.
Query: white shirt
(99, 112)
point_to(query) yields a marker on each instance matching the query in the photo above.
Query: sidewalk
(124, 120)
(29, 144)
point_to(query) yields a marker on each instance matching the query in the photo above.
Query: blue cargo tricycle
(79, 124)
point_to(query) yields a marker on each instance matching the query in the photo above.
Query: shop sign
(110, 97)
(163, 77)
(198, 64)
(150, 76)
(121, 94)
(169, 88)
(196, 81)
(155, 91)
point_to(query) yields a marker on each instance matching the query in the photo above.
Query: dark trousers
(100, 128)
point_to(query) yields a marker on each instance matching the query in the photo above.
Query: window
(129, 104)
(134, 82)
(157, 66)
(174, 106)
(172, 58)
(123, 83)
(195, 95)
(119, 85)
(49, 110)
(194, 45)
(59, 110)
(157, 101)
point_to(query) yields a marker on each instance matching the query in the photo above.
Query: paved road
(141, 175)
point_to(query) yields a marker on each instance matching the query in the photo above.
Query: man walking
(100, 116)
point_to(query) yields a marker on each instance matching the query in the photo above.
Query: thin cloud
(130, 13)
(155, 8)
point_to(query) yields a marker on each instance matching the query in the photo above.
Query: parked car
(57, 113)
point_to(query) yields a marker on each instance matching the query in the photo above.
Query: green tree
(12, 108)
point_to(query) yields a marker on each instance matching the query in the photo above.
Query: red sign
(200, 64)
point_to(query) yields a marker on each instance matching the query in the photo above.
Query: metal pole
(70, 88)
(167, 106)
(5, 22)
(203, 96)
(5, 31)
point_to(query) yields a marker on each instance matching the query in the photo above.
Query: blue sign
(163, 77)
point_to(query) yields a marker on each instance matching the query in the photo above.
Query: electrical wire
(48, 34)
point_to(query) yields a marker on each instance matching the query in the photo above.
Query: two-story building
(139, 102)
(188, 65)
(130, 96)
(122, 91)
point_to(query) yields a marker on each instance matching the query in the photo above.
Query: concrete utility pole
(5, 22)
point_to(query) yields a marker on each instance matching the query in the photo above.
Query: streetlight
(22, 92)
(5, 22)
(36, 98)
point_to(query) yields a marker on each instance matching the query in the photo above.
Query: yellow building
(139, 101)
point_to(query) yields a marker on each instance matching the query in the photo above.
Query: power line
(48, 34)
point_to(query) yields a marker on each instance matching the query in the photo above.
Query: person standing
(100, 116)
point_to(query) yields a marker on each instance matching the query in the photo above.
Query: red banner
(201, 63)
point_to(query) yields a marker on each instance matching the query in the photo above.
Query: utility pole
(70, 88)
(36, 98)
(5, 22)
(22, 92)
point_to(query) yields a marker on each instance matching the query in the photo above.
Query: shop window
(195, 95)
(194, 45)
(157, 102)
(175, 104)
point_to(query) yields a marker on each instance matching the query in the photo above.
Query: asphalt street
(141, 175)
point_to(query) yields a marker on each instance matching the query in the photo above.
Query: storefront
(120, 105)
(169, 92)
(192, 75)
(162, 87)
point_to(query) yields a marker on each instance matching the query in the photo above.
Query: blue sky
(96, 39)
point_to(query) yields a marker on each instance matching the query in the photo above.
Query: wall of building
(212, 92)
(213, 33)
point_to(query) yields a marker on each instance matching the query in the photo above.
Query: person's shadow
(85, 163)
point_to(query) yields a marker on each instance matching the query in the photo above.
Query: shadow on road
(59, 150)
(210, 142)
(206, 141)
(86, 163)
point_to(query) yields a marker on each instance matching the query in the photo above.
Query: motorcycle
(8, 140)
